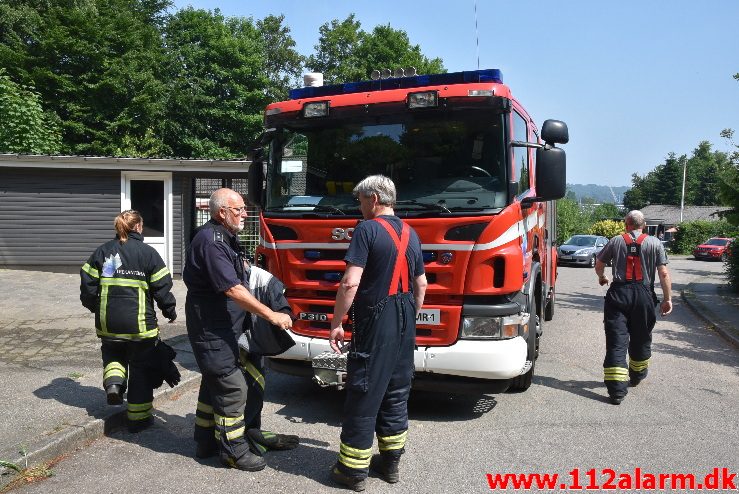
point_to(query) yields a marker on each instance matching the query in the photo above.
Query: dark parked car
(581, 249)
(716, 249)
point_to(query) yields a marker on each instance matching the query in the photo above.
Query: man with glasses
(216, 306)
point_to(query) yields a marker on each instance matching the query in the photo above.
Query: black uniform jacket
(120, 282)
(214, 264)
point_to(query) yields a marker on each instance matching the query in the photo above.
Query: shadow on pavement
(70, 392)
(580, 301)
(579, 388)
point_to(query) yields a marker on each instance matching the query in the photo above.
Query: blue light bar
(487, 75)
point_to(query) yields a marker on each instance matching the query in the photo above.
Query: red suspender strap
(400, 271)
(633, 257)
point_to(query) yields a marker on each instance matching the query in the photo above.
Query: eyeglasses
(239, 210)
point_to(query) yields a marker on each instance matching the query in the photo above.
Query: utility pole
(682, 197)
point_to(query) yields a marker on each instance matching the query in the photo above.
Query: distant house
(663, 219)
(54, 210)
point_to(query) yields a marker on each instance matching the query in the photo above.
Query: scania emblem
(342, 234)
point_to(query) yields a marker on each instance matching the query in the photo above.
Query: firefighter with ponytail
(120, 283)
(630, 303)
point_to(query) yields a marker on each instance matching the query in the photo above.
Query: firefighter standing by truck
(383, 257)
(629, 314)
(119, 283)
(217, 301)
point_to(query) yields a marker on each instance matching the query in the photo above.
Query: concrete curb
(78, 436)
(728, 332)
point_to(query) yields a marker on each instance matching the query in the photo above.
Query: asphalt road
(682, 419)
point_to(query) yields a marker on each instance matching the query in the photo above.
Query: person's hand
(336, 338)
(665, 307)
(281, 320)
(603, 280)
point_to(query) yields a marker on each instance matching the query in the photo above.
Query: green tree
(607, 228)
(347, 53)
(283, 64)
(25, 128)
(663, 185)
(388, 48)
(335, 53)
(216, 84)
(95, 64)
(570, 220)
(606, 211)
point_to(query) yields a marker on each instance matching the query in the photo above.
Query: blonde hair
(125, 223)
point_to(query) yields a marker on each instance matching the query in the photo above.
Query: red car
(716, 248)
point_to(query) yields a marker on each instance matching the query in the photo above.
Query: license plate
(430, 317)
(313, 316)
(565, 258)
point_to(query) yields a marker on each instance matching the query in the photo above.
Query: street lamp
(682, 196)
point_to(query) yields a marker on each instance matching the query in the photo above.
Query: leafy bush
(607, 228)
(692, 233)
(732, 266)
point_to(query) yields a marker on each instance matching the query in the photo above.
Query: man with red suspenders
(385, 281)
(630, 302)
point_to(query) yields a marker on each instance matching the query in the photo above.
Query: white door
(151, 195)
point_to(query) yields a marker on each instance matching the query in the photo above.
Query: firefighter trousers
(379, 375)
(629, 318)
(252, 371)
(125, 363)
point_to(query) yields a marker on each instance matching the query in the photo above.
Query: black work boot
(206, 449)
(114, 393)
(248, 462)
(135, 426)
(355, 483)
(387, 466)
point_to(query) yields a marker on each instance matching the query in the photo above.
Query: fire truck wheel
(523, 382)
(549, 307)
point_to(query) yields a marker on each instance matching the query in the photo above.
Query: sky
(634, 80)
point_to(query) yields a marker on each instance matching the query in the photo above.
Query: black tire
(549, 307)
(523, 382)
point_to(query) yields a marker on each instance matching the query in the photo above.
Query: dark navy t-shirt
(372, 249)
(212, 261)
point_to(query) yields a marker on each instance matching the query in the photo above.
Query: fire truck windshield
(440, 166)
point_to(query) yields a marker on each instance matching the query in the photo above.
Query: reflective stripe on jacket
(120, 282)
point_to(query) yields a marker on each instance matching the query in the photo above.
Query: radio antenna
(477, 38)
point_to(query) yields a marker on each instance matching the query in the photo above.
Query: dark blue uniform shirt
(214, 262)
(372, 249)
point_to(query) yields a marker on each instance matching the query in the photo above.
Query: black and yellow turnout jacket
(120, 281)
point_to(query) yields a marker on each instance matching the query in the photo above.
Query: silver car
(581, 249)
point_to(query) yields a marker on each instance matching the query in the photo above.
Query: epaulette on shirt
(218, 235)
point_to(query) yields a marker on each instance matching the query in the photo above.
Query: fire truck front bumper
(477, 359)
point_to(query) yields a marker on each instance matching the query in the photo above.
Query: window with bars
(204, 187)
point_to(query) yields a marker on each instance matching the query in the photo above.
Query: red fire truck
(475, 179)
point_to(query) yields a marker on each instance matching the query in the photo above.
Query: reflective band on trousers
(254, 373)
(114, 369)
(139, 411)
(389, 443)
(638, 365)
(615, 374)
(353, 457)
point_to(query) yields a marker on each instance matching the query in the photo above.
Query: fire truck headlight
(424, 99)
(315, 109)
(490, 327)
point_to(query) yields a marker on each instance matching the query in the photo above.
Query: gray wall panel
(55, 217)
